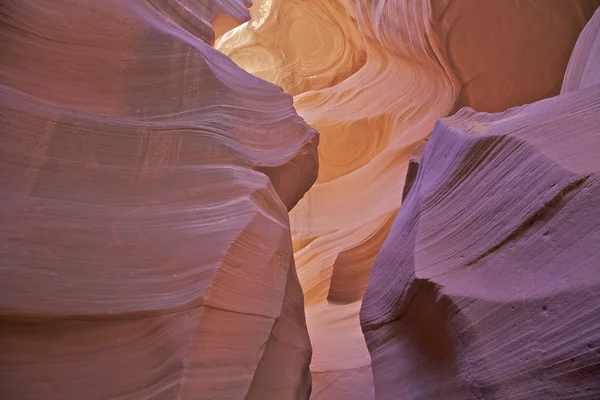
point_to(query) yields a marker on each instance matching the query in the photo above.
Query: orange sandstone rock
(373, 77)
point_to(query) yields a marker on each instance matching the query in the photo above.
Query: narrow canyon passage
(372, 78)
(299, 199)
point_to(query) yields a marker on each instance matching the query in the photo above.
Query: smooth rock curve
(145, 181)
(488, 285)
(373, 77)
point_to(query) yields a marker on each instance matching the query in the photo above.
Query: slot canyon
(300, 199)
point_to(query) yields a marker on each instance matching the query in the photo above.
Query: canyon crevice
(324, 199)
(373, 101)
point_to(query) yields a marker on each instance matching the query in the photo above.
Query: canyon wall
(146, 180)
(488, 285)
(145, 184)
(372, 78)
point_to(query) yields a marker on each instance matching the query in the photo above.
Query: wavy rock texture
(145, 184)
(297, 44)
(488, 285)
(367, 136)
(372, 77)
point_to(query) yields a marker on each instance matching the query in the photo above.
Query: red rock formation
(145, 252)
(488, 285)
(510, 52)
(373, 77)
(145, 182)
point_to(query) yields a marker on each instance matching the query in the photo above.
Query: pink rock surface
(145, 182)
(488, 285)
(364, 75)
(584, 67)
(373, 77)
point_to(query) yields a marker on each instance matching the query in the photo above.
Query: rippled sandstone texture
(488, 285)
(372, 77)
(145, 181)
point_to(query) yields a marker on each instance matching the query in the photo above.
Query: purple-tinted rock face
(146, 250)
(488, 285)
(144, 253)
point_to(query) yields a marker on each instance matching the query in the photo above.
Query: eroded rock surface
(373, 77)
(368, 133)
(146, 179)
(145, 182)
(488, 285)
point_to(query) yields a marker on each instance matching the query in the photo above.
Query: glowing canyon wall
(372, 78)
(201, 199)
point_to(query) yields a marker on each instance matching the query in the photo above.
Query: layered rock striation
(372, 78)
(145, 182)
(488, 285)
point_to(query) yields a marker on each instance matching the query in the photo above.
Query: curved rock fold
(145, 184)
(500, 231)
